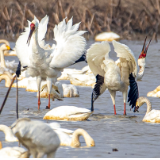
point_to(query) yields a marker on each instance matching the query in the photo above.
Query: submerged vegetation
(128, 18)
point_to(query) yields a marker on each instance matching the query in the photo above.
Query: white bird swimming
(116, 76)
(48, 64)
(68, 113)
(38, 137)
(13, 152)
(9, 136)
(55, 93)
(6, 53)
(151, 115)
(9, 66)
(73, 141)
(67, 90)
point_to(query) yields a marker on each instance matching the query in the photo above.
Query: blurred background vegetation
(131, 19)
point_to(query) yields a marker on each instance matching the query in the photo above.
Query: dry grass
(128, 18)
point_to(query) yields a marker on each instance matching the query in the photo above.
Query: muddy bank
(128, 18)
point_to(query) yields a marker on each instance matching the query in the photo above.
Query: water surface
(132, 137)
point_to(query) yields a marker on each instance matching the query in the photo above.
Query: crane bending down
(48, 63)
(112, 75)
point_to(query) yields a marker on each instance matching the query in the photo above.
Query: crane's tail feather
(97, 91)
(133, 93)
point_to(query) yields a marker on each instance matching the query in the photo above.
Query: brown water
(132, 137)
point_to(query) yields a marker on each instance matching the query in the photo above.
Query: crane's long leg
(38, 86)
(49, 85)
(113, 94)
(39, 101)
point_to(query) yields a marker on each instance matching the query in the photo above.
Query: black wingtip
(82, 58)
(133, 93)
(96, 90)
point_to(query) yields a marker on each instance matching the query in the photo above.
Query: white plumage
(9, 136)
(48, 64)
(68, 113)
(37, 137)
(13, 152)
(9, 66)
(152, 116)
(110, 74)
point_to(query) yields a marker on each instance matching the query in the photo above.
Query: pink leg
(114, 109)
(39, 101)
(124, 108)
(48, 107)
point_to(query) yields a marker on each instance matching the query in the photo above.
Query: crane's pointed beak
(144, 45)
(29, 37)
(32, 28)
(146, 49)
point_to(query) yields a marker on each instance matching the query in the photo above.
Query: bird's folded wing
(124, 52)
(96, 55)
(70, 44)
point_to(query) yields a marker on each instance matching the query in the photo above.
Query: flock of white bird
(46, 64)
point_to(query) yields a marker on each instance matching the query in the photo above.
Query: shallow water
(132, 137)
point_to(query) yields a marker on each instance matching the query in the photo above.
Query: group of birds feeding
(46, 62)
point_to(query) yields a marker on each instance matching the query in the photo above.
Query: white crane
(113, 75)
(38, 137)
(24, 51)
(48, 64)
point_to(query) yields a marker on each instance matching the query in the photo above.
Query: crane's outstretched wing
(96, 55)
(126, 57)
(70, 44)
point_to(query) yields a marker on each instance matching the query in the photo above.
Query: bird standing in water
(48, 63)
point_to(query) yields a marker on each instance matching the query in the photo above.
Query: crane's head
(33, 27)
(144, 49)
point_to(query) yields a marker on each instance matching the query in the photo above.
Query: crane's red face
(32, 28)
(143, 54)
(144, 49)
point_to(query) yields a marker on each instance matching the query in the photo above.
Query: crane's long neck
(9, 136)
(75, 138)
(3, 64)
(143, 100)
(36, 49)
(141, 64)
